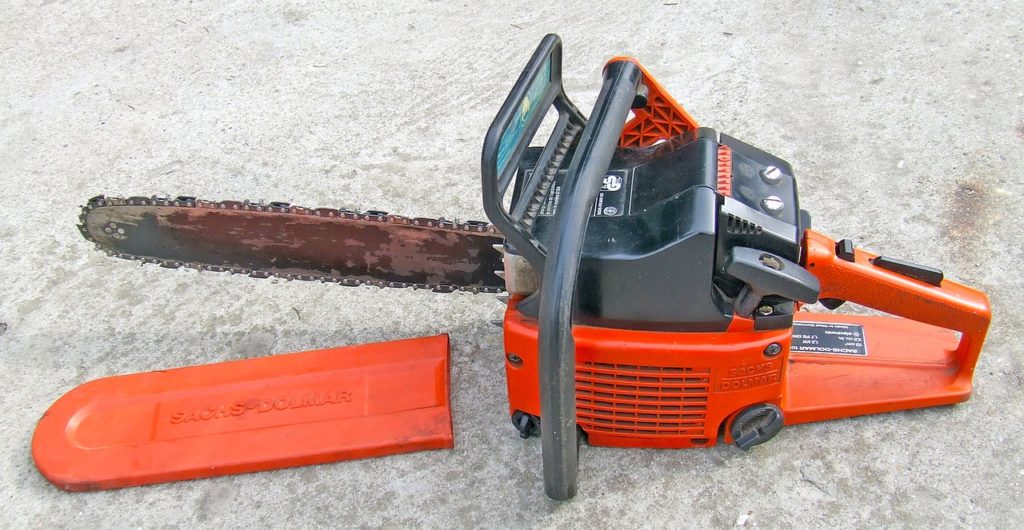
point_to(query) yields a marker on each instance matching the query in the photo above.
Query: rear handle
(950, 305)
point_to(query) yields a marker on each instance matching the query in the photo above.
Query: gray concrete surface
(904, 120)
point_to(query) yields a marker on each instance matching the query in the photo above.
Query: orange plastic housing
(251, 415)
(662, 118)
(668, 390)
(924, 359)
(651, 389)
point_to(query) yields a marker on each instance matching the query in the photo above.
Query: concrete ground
(904, 120)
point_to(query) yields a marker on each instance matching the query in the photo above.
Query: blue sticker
(528, 107)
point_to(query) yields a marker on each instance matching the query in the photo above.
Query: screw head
(773, 204)
(514, 359)
(771, 175)
(772, 349)
(772, 262)
(765, 310)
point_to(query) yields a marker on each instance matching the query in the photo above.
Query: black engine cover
(660, 230)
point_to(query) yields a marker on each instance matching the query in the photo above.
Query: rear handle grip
(948, 305)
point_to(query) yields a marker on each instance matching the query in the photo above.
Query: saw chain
(281, 240)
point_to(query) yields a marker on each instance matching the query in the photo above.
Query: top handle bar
(557, 349)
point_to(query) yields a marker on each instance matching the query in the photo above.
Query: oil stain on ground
(968, 216)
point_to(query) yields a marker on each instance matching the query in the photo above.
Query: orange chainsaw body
(682, 389)
(676, 390)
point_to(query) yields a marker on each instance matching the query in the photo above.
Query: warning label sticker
(612, 201)
(834, 338)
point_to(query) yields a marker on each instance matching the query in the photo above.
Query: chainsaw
(654, 274)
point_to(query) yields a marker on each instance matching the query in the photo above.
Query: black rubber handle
(557, 349)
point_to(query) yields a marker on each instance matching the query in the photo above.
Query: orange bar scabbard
(250, 415)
